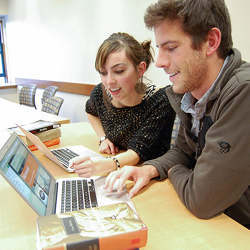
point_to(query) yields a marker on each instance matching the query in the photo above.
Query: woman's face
(119, 77)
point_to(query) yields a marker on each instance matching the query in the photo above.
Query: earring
(139, 86)
(108, 94)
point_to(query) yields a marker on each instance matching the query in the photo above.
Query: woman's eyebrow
(118, 64)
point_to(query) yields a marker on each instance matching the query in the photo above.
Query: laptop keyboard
(64, 155)
(78, 194)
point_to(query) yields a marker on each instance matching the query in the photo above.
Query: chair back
(27, 95)
(49, 92)
(52, 105)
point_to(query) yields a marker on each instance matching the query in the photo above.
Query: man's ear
(213, 40)
(141, 68)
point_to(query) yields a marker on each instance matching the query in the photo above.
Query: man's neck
(214, 67)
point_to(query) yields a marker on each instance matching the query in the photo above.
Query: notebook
(60, 156)
(26, 174)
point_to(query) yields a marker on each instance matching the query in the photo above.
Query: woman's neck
(131, 101)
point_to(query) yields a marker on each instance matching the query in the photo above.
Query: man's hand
(140, 175)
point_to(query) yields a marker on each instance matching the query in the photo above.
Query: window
(3, 70)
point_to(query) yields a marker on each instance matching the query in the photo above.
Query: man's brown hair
(197, 18)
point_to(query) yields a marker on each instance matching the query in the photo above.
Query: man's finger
(126, 174)
(111, 179)
(137, 187)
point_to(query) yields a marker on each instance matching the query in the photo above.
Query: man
(209, 166)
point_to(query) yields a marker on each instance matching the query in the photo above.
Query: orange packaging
(111, 227)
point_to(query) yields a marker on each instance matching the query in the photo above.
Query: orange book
(48, 143)
(111, 227)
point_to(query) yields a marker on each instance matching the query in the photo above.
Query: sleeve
(155, 133)
(221, 175)
(172, 157)
(91, 104)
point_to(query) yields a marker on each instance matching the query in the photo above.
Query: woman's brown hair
(135, 51)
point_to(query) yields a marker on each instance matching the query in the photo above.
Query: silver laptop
(60, 156)
(26, 174)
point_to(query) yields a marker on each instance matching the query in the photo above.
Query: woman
(126, 114)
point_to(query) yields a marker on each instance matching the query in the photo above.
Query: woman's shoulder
(158, 101)
(97, 91)
(97, 88)
(155, 93)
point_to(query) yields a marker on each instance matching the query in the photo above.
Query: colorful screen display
(27, 175)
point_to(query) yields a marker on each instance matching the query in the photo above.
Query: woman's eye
(103, 73)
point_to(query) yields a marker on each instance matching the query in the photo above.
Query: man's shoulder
(237, 70)
(242, 73)
(174, 98)
(239, 80)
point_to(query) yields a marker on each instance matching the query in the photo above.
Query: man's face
(187, 67)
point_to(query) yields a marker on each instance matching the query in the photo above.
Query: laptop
(46, 195)
(60, 156)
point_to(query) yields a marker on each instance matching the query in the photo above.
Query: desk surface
(170, 224)
(12, 113)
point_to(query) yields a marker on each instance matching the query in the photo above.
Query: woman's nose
(110, 79)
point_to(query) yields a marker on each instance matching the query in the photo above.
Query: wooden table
(12, 113)
(170, 224)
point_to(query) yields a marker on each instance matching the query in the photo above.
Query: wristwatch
(102, 138)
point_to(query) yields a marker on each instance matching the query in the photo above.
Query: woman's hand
(87, 167)
(108, 147)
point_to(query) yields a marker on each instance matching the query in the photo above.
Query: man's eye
(119, 71)
(172, 48)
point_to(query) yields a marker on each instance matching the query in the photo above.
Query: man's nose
(162, 61)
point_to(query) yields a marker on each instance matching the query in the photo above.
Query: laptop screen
(26, 174)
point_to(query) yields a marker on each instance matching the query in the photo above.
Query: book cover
(48, 143)
(45, 135)
(40, 126)
(111, 227)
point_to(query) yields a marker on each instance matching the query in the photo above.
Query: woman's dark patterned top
(145, 128)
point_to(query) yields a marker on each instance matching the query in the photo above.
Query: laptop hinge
(55, 195)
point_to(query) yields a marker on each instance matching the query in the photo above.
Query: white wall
(3, 7)
(240, 18)
(58, 40)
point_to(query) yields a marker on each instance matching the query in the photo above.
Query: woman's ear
(141, 68)
(213, 40)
